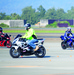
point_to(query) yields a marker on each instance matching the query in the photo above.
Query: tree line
(33, 16)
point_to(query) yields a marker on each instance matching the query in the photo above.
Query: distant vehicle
(19, 48)
(69, 43)
(6, 41)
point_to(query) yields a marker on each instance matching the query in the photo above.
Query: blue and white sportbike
(67, 42)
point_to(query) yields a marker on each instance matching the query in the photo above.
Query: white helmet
(68, 28)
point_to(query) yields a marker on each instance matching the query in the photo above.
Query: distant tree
(15, 16)
(37, 17)
(2, 15)
(28, 13)
(70, 13)
(55, 14)
(41, 11)
(50, 14)
(60, 14)
(33, 16)
(7, 17)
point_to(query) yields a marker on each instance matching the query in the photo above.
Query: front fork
(73, 44)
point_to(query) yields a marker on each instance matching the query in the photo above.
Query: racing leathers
(67, 34)
(1, 36)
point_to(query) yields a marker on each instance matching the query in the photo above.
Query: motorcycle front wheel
(9, 44)
(40, 53)
(14, 53)
(63, 45)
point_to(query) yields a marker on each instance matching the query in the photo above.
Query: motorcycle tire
(40, 53)
(8, 45)
(15, 53)
(63, 45)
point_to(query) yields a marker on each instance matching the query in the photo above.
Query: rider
(31, 36)
(67, 33)
(1, 33)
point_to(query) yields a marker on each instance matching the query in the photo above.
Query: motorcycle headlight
(14, 41)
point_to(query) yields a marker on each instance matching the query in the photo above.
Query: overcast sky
(16, 6)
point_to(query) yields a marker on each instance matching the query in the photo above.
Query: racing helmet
(27, 26)
(68, 28)
(1, 29)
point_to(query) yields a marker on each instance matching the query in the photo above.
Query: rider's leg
(66, 40)
(31, 43)
(36, 48)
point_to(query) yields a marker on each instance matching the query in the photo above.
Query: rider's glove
(22, 39)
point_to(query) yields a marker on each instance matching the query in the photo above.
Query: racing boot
(36, 48)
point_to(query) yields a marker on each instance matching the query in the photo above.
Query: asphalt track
(56, 62)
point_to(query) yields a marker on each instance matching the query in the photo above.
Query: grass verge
(37, 31)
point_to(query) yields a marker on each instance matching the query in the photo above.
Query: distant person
(1, 33)
(68, 33)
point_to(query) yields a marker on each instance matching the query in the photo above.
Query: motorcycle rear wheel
(40, 53)
(14, 53)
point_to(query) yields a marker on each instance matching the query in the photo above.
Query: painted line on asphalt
(22, 66)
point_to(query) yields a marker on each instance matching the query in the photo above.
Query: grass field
(36, 30)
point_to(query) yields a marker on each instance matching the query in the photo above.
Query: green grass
(37, 31)
(14, 31)
(51, 31)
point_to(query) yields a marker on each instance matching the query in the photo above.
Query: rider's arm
(65, 35)
(2, 34)
(71, 33)
(24, 36)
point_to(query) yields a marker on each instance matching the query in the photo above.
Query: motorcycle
(19, 48)
(69, 43)
(5, 41)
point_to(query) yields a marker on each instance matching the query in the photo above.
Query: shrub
(72, 26)
(54, 24)
(4, 25)
(64, 22)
